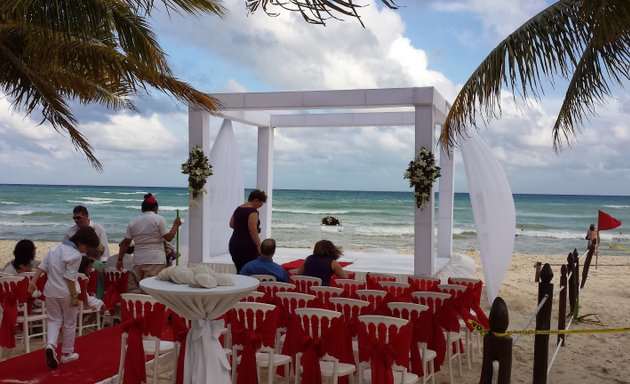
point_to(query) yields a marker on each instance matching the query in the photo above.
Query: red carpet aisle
(99, 353)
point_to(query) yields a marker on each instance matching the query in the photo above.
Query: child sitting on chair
(61, 265)
(86, 269)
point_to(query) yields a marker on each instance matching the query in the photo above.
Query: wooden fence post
(497, 348)
(562, 303)
(571, 282)
(537, 266)
(543, 323)
(587, 262)
(576, 283)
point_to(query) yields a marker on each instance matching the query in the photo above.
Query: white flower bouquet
(422, 173)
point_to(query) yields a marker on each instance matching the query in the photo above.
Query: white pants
(60, 312)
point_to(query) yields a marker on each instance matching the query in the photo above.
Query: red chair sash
(335, 341)
(426, 329)
(93, 281)
(418, 284)
(383, 355)
(251, 340)
(14, 293)
(180, 333)
(114, 290)
(149, 324)
(9, 318)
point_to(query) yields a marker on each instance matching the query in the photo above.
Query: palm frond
(607, 56)
(582, 40)
(314, 11)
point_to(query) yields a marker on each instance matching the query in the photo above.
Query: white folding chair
(139, 305)
(411, 312)
(85, 309)
(316, 323)
(374, 296)
(456, 290)
(434, 301)
(248, 313)
(324, 292)
(305, 283)
(380, 327)
(30, 321)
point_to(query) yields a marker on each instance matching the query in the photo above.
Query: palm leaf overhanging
(313, 11)
(102, 52)
(584, 41)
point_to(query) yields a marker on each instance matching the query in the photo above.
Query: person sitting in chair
(264, 264)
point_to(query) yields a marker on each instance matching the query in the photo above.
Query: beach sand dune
(586, 358)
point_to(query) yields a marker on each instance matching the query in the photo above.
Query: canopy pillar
(264, 177)
(424, 263)
(199, 208)
(445, 213)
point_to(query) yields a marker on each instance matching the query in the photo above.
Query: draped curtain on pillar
(493, 210)
(225, 188)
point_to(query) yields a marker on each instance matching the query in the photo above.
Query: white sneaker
(51, 357)
(68, 357)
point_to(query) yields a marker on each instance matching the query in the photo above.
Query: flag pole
(177, 242)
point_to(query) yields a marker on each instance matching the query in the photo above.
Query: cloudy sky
(424, 43)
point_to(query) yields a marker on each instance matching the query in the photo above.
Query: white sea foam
(86, 201)
(616, 206)
(19, 213)
(318, 211)
(8, 202)
(171, 208)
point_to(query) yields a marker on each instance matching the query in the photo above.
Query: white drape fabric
(225, 188)
(205, 359)
(493, 210)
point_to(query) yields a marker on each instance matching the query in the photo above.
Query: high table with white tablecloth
(205, 360)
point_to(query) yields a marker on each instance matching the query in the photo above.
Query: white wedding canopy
(424, 108)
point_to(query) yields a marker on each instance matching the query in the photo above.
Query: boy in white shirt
(61, 265)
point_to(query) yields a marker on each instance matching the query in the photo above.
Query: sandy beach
(586, 358)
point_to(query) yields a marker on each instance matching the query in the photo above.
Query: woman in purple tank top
(323, 262)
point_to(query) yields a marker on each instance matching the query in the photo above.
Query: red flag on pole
(605, 221)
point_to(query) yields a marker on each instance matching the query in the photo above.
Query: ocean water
(554, 224)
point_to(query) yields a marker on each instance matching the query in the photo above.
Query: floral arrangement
(198, 169)
(422, 173)
(330, 220)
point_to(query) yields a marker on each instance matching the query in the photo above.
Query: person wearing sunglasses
(82, 220)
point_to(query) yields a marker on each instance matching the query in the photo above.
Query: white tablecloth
(205, 360)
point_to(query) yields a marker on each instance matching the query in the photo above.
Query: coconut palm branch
(314, 11)
(89, 51)
(584, 41)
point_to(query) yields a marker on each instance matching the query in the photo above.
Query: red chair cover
(471, 300)
(419, 284)
(383, 355)
(349, 275)
(93, 282)
(12, 295)
(180, 332)
(149, 324)
(114, 290)
(426, 329)
(252, 340)
(335, 340)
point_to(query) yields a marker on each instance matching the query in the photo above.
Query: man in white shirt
(82, 220)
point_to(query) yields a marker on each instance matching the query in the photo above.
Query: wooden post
(587, 262)
(576, 283)
(538, 265)
(571, 282)
(562, 303)
(543, 323)
(497, 348)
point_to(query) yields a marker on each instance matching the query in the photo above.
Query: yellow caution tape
(484, 331)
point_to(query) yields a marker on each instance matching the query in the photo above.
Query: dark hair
(80, 209)
(257, 194)
(86, 263)
(268, 247)
(149, 203)
(328, 249)
(592, 227)
(86, 236)
(23, 253)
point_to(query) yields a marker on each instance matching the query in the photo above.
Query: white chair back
(324, 293)
(433, 300)
(264, 277)
(305, 283)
